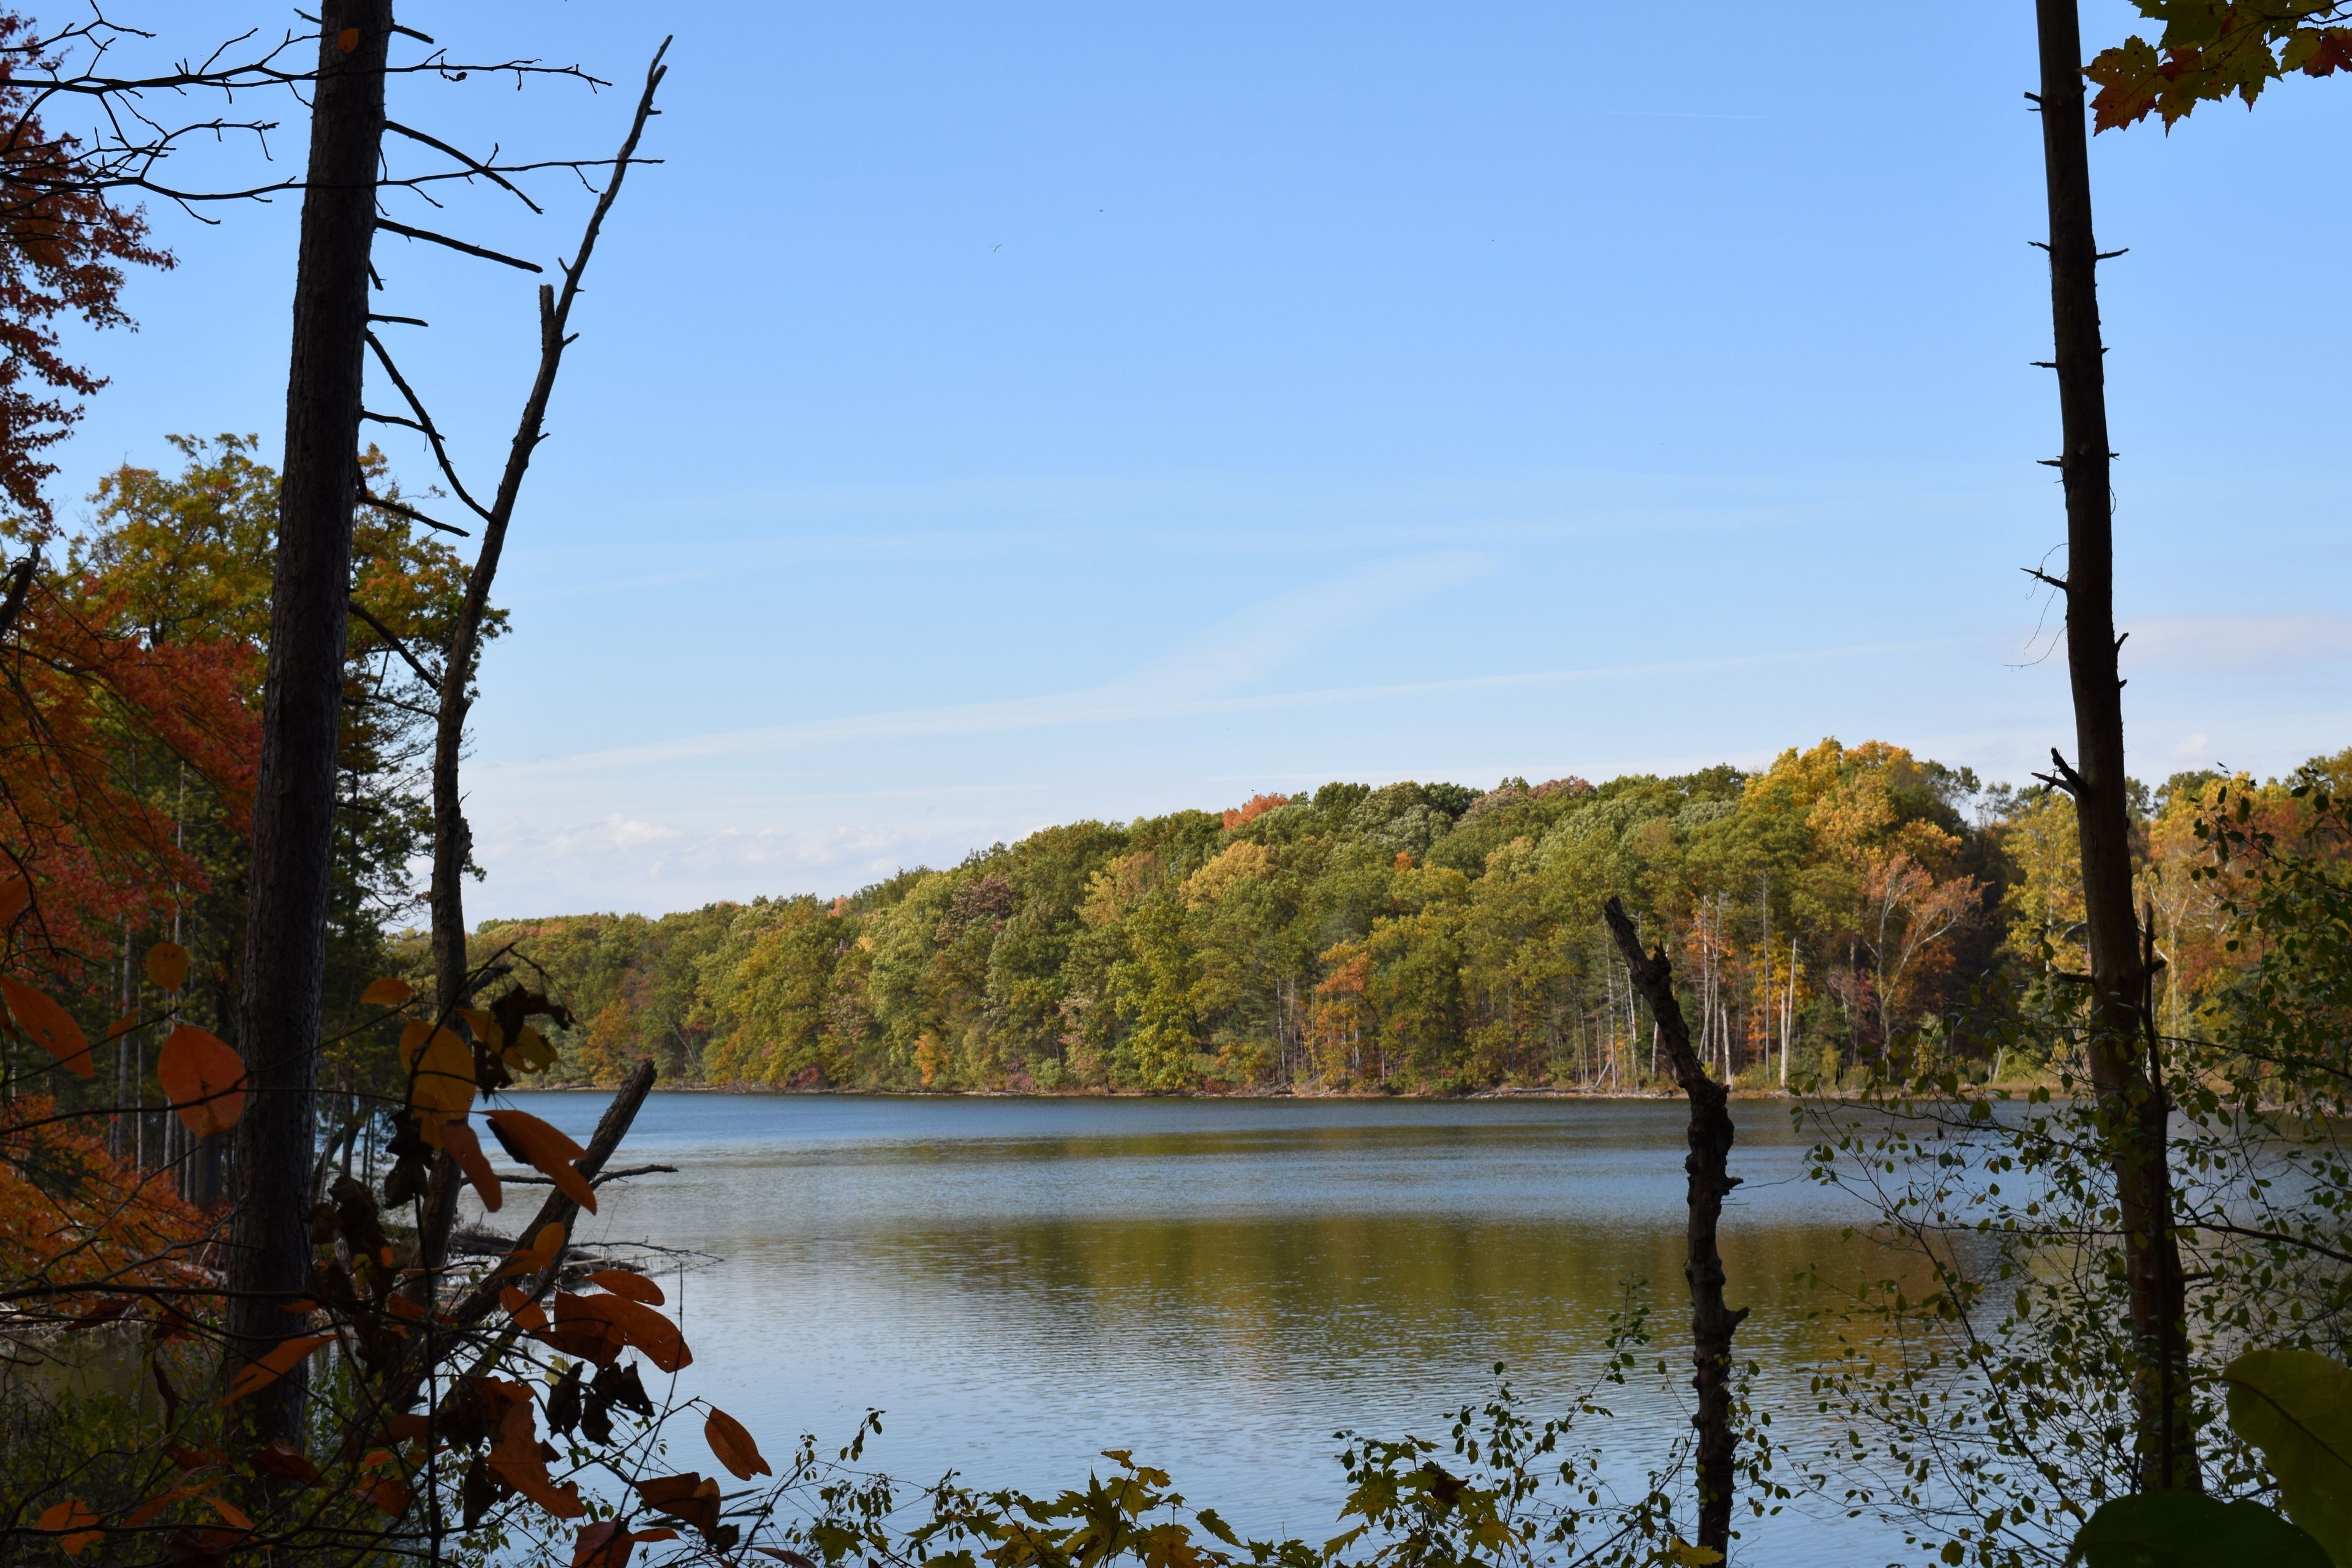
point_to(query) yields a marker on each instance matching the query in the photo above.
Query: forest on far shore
(1430, 938)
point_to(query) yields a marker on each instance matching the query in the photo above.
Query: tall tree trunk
(1707, 1166)
(2130, 1103)
(294, 796)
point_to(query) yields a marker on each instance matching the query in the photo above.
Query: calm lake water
(1218, 1284)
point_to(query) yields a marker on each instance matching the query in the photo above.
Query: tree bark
(294, 796)
(1712, 1323)
(2131, 1104)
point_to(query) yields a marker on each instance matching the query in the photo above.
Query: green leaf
(2296, 1407)
(2189, 1529)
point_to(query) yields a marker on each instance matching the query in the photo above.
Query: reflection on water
(1217, 1284)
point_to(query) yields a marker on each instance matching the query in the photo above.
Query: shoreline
(1480, 1094)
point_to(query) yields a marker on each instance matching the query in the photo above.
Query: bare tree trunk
(268, 1257)
(452, 838)
(1712, 1323)
(2132, 1104)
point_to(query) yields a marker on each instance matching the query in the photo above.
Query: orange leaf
(535, 1144)
(389, 991)
(386, 1494)
(122, 1026)
(70, 1514)
(269, 1368)
(734, 1446)
(15, 897)
(584, 1328)
(647, 1329)
(74, 1523)
(486, 1028)
(230, 1513)
(203, 1078)
(545, 1249)
(690, 1496)
(636, 1286)
(347, 39)
(51, 1026)
(527, 1314)
(167, 965)
(460, 1140)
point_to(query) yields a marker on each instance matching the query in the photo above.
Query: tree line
(1842, 906)
(231, 713)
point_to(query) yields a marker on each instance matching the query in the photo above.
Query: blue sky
(993, 416)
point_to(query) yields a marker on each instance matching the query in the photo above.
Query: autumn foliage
(63, 249)
(2210, 50)
(79, 695)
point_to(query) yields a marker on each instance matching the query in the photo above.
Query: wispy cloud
(1164, 696)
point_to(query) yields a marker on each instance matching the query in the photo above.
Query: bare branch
(487, 170)
(402, 508)
(482, 251)
(423, 422)
(392, 640)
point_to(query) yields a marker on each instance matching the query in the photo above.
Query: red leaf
(51, 1026)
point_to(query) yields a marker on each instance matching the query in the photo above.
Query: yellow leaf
(486, 1028)
(530, 1051)
(167, 965)
(440, 1069)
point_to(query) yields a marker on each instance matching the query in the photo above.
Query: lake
(1216, 1284)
